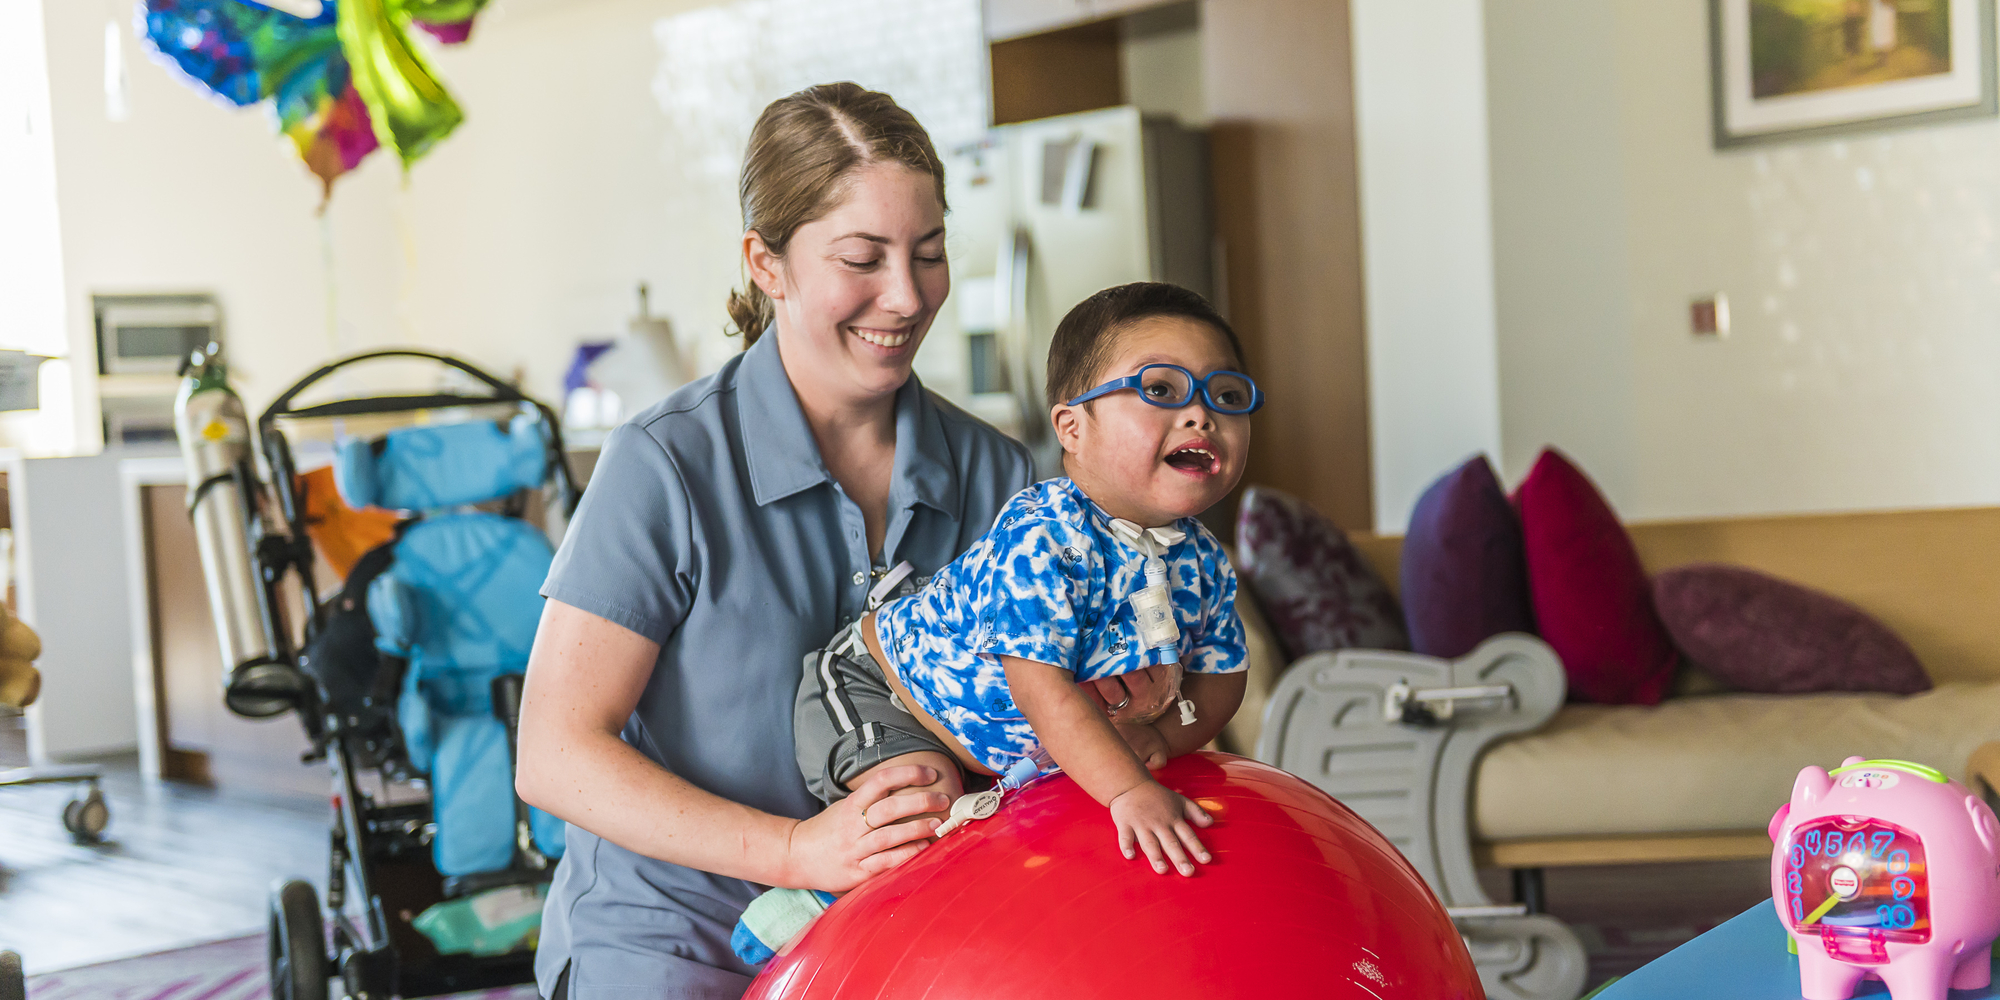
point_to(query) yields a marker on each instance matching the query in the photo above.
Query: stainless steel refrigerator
(1044, 213)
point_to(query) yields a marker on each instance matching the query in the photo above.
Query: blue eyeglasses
(1171, 386)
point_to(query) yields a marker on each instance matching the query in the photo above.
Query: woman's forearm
(1216, 698)
(602, 784)
(585, 676)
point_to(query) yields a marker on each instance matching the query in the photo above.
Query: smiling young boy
(1097, 574)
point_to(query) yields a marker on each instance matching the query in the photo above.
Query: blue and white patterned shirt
(1049, 582)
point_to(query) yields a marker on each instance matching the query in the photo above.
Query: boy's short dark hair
(1084, 338)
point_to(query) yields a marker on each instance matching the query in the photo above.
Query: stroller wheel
(86, 818)
(12, 985)
(297, 943)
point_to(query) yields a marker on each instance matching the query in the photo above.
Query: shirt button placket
(857, 555)
(857, 551)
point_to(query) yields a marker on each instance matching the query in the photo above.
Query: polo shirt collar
(924, 471)
(778, 443)
(784, 458)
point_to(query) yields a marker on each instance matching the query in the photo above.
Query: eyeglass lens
(1164, 386)
(1227, 392)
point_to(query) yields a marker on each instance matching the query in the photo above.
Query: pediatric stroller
(412, 670)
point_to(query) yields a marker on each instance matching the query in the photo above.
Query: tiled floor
(1628, 915)
(234, 969)
(179, 865)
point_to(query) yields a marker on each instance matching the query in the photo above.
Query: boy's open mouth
(1195, 456)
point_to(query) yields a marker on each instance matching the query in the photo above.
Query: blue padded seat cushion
(443, 465)
(472, 782)
(461, 603)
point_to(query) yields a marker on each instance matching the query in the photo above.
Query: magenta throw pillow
(1592, 603)
(1465, 576)
(1772, 636)
(1313, 586)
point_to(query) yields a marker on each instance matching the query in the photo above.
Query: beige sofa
(1699, 776)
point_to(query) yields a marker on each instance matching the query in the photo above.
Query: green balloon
(410, 109)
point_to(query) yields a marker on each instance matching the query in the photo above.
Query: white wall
(187, 194)
(1427, 245)
(1864, 276)
(1561, 260)
(616, 159)
(70, 550)
(600, 149)
(30, 275)
(1159, 55)
(31, 282)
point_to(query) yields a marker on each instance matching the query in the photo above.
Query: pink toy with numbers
(1887, 870)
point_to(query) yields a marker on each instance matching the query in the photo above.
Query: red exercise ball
(1304, 899)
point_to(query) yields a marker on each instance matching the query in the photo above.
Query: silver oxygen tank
(215, 444)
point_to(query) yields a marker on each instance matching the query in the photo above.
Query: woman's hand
(1147, 744)
(1216, 697)
(585, 677)
(860, 836)
(1156, 819)
(1136, 697)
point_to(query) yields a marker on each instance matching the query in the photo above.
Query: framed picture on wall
(1795, 69)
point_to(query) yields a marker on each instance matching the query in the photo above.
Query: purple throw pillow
(1767, 635)
(1465, 572)
(1313, 586)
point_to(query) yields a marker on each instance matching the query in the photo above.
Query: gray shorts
(847, 719)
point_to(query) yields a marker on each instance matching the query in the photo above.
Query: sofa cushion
(1315, 589)
(1263, 665)
(1759, 633)
(1591, 601)
(1465, 579)
(1716, 762)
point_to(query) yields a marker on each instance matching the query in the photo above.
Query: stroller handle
(501, 391)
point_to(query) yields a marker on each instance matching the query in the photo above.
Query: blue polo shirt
(712, 527)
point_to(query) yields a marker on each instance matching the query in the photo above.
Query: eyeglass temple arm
(1129, 381)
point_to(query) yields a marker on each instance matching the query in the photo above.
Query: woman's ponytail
(750, 311)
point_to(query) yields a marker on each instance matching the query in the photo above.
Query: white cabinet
(1014, 18)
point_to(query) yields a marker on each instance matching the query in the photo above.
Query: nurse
(728, 530)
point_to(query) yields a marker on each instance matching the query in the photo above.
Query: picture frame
(1786, 70)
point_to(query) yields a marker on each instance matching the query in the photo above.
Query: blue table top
(1744, 959)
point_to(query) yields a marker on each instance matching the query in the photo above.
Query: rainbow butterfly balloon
(343, 80)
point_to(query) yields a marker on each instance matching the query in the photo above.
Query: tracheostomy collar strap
(1153, 604)
(1151, 541)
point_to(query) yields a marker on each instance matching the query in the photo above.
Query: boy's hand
(1155, 819)
(1147, 744)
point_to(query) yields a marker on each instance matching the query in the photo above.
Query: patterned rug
(222, 970)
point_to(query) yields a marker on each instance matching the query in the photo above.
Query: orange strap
(342, 533)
